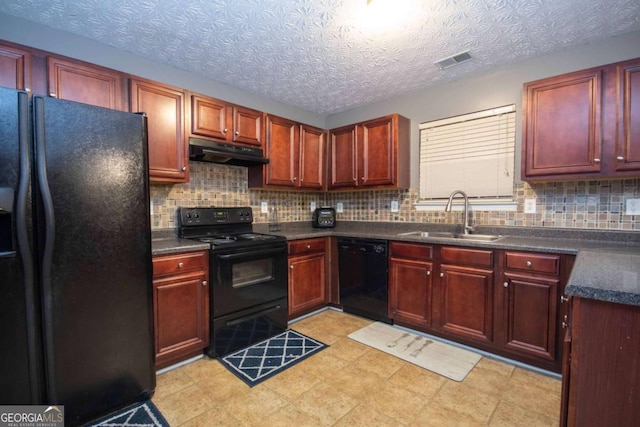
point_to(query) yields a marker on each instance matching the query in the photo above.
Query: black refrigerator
(76, 316)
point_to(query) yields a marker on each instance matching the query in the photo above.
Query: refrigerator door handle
(23, 240)
(49, 240)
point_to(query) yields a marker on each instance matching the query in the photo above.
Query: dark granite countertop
(604, 267)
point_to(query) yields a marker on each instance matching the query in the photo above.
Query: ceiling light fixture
(452, 60)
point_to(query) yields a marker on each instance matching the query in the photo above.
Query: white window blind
(473, 152)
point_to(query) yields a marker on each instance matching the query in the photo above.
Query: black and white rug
(265, 359)
(141, 414)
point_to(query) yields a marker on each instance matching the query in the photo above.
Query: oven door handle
(250, 254)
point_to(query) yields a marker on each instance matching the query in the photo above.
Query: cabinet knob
(505, 284)
(237, 133)
(26, 89)
(184, 168)
(295, 178)
(564, 325)
(180, 264)
(596, 160)
(563, 298)
(308, 246)
(620, 159)
(362, 178)
(428, 273)
(53, 95)
(529, 263)
(441, 274)
(225, 130)
(204, 283)
(291, 267)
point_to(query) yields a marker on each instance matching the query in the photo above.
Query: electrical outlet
(339, 207)
(633, 207)
(264, 207)
(312, 206)
(529, 206)
(394, 206)
(151, 207)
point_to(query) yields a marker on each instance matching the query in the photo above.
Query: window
(473, 152)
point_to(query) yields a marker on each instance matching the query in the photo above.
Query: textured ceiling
(326, 56)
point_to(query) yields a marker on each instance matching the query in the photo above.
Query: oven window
(252, 272)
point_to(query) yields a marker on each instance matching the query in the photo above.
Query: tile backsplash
(568, 204)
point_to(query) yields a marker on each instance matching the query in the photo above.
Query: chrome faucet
(466, 228)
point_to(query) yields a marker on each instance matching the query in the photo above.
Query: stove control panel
(215, 216)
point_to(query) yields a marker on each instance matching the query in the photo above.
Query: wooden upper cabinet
(343, 157)
(374, 153)
(312, 157)
(15, 68)
(628, 132)
(224, 122)
(247, 126)
(281, 143)
(583, 125)
(562, 125)
(86, 83)
(164, 107)
(296, 153)
(210, 117)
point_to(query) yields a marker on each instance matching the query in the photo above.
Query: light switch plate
(394, 206)
(633, 207)
(529, 206)
(264, 207)
(339, 207)
(312, 206)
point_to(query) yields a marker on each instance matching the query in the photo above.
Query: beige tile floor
(350, 384)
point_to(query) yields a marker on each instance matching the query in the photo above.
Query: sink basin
(449, 235)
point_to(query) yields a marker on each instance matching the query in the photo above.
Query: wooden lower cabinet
(410, 283)
(307, 276)
(181, 306)
(603, 368)
(506, 302)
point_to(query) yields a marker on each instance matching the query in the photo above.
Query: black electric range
(248, 276)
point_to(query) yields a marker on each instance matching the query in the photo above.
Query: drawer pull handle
(620, 159)
(596, 160)
(180, 264)
(529, 263)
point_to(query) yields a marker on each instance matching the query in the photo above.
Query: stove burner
(218, 239)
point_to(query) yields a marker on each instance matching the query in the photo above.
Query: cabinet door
(312, 158)
(15, 68)
(343, 157)
(562, 125)
(181, 308)
(628, 135)
(410, 291)
(210, 118)
(281, 148)
(466, 305)
(164, 107)
(376, 160)
(84, 83)
(529, 308)
(247, 126)
(306, 283)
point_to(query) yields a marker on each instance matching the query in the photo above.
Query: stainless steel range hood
(202, 150)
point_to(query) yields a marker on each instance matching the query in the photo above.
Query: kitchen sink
(449, 235)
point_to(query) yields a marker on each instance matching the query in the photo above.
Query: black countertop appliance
(324, 217)
(75, 257)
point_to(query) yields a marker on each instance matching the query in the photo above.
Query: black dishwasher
(363, 269)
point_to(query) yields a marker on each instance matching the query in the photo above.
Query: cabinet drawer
(179, 263)
(306, 246)
(467, 256)
(538, 263)
(411, 251)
